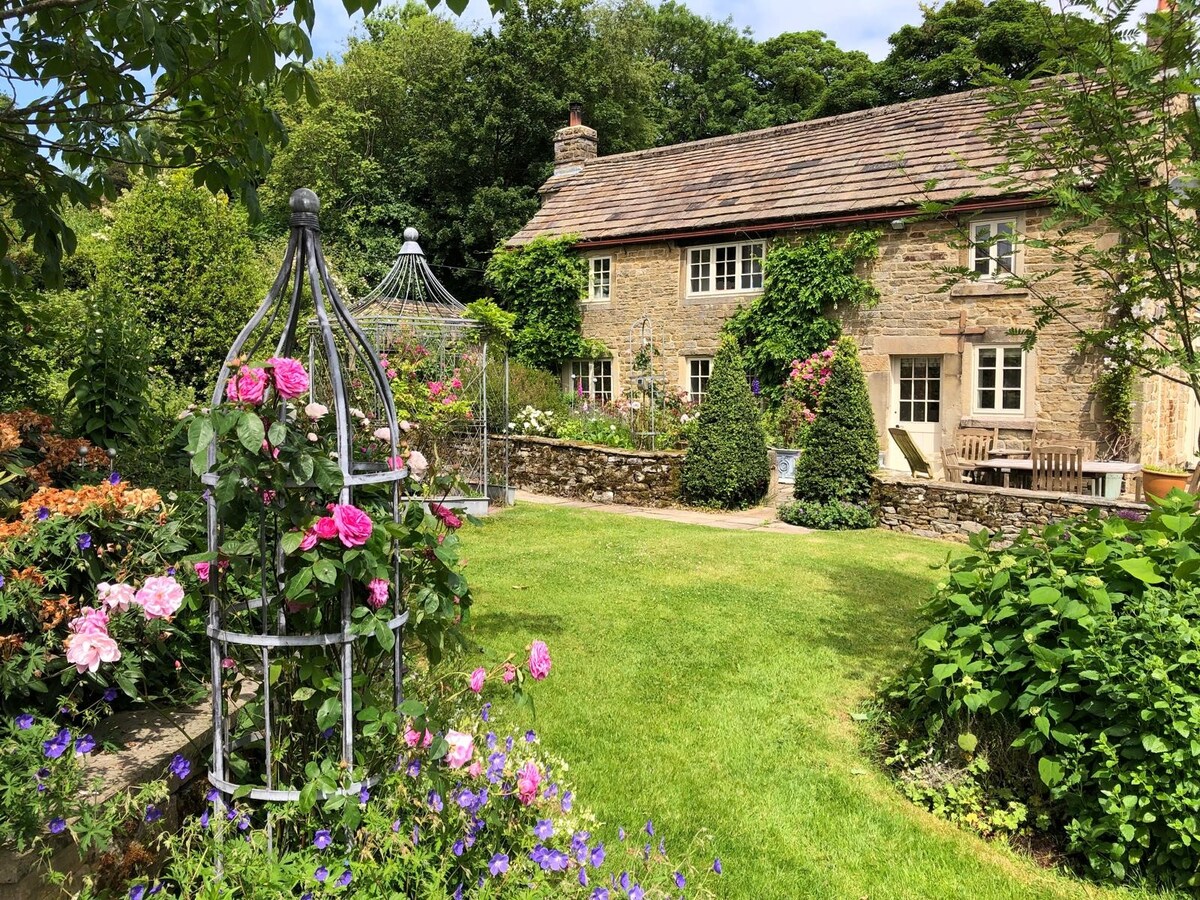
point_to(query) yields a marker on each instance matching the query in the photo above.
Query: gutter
(795, 224)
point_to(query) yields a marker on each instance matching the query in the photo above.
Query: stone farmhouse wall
(956, 511)
(599, 474)
(916, 316)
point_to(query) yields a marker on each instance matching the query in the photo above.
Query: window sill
(1003, 288)
(719, 296)
(1011, 423)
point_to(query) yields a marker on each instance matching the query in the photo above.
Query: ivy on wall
(803, 280)
(1114, 390)
(541, 283)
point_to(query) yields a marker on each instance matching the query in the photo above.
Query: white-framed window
(725, 268)
(699, 371)
(600, 279)
(591, 379)
(993, 247)
(920, 379)
(999, 381)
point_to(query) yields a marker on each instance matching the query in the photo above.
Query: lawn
(707, 678)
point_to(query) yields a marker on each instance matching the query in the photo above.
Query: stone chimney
(575, 145)
(1166, 9)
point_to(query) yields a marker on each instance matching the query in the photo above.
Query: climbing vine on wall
(542, 283)
(803, 281)
(1114, 390)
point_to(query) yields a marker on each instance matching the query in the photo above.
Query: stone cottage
(675, 236)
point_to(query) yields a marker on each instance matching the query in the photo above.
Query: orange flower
(12, 529)
(10, 438)
(108, 498)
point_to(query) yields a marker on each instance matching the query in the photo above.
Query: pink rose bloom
(353, 525)
(395, 463)
(462, 748)
(116, 597)
(446, 515)
(477, 679)
(383, 434)
(509, 673)
(315, 411)
(290, 378)
(247, 386)
(412, 738)
(326, 528)
(268, 496)
(528, 781)
(475, 769)
(228, 663)
(417, 464)
(202, 570)
(539, 660)
(379, 593)
(310, 539)
(160, 596)
(456, 384)
(435, 388)
(90, 621)
(268, 449)
(88, 650)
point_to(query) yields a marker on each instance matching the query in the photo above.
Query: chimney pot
(575, 145)
(576, 115)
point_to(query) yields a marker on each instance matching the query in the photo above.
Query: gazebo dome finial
(305, 200)
(411, 234)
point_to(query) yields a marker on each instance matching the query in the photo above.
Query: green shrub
(842, 448)
(1071, 660)
(832, 516)
(726, 463)
(527, 386)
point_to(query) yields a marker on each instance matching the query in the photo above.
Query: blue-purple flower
(153, 813)
(321, 874)
(137, 892)
(566, 802)
(85, 744)
(180, 767)
(636, 892)
(624, 882)
(57, 745)
(717, 865)
(600, 893)
(680, 881)
(435, 801)
(43, 513)
(84, 541)
(484, 713)
(364, 795)
(58, 825)
(459, 848)
(583, 879)
(544, 829)
(498, 864)
(345, 878)
(530, 736)
(109, 695)
(114, 478)
(25, 721)
(322, 839)
(650, 827)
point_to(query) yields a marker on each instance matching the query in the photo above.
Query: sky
(853, 24)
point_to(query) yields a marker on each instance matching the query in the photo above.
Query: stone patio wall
(956, 511)
(599, 474)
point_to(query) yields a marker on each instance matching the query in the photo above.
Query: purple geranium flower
(25, 721)
(566, 802)
(345, 878)
(636, 892)
(58, 825)
(204, 819)
(544, 829)
(483, 713)
(43, 513)
(364, 795)
(498, 864)
(153, 813)
(414, 768)
(180, 767)
(85, 745)
(600, 893)
(114, 478)
(717, 865)
(322, 839)
(137, 892)
(109, 695)
(459, 848)
(416, 835)
(530, 736)
(84, 541)
(650, 827)
(621, 834)
(583, 879)
(57, 745)
(624, 881)
(321, 874)
(680, 881)
(435, 801)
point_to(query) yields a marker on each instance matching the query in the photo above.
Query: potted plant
(788, 426)
(1158, 481)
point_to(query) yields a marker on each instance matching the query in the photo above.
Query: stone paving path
(761, 518)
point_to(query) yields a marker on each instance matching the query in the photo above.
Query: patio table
(1109, 473)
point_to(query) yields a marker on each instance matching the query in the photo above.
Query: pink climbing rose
(247, 385)
(87, 650)
(90, 621)
(529, 778)
(353, 525)
(326, 528)
(462, 748)
(378, 589)
(477, 679)
(160, 596)
(539, 660)
(510, 673)
(117, 597)
(291, 380)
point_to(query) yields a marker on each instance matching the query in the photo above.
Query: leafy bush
(527, 386)
(727, 463)
(596, 425)
(843, 448)
(1072, 659)
(835, 515)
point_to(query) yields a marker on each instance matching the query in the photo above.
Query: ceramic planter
(785, 464)
(1158, 484)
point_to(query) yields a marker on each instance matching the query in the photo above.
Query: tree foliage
(843, 446)
(726, 463)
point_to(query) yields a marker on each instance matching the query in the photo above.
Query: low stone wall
(599, 474)
(956, 511)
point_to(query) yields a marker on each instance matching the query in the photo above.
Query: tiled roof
(842, 165)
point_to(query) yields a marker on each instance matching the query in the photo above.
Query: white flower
(383, 434)
(312, 436)
(315, 411)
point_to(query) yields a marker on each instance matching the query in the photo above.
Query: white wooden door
(916, 407)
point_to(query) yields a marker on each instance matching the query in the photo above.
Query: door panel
(916, 406)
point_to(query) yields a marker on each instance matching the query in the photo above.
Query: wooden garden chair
(1058, 468)
(955, 469)
(975, 444)
(917, 463)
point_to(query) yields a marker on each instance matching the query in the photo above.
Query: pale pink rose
(412, 738)
(202, 570)
(529, 778)
(396, 463)
(418, 464)
(310, 539)
(539, 660)
(477, 679)
(326, 528)
(247, 386)
(353, 525)
(510, 673)
(406, 425)
(383, 434)
(475, 769)
(89, 621)
(379, 593)
(228, 663)
(86, 651)
(116, 597)
(291, 380)
(462, 748)
(160, 596)
(316, 411)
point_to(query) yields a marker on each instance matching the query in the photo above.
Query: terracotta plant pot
(1157, 483)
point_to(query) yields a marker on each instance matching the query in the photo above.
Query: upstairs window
(993, 253)
(591, 379)
(725, 268)
(600, 280)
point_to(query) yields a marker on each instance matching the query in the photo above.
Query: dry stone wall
(956, 511)
(599, 474)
